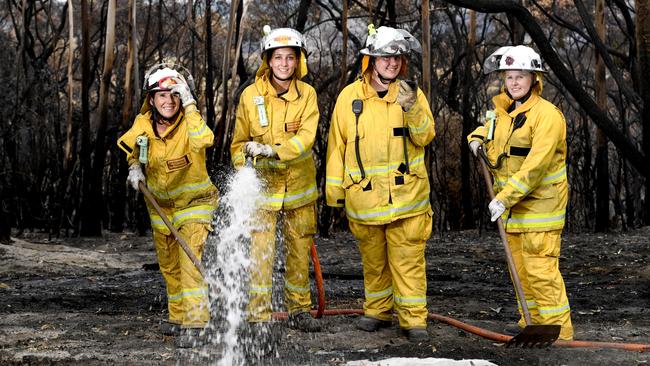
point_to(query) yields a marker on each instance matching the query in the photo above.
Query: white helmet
(513, 58)
(281, 37)
(161, 79)
(387, 41)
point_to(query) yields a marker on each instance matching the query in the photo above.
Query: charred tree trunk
(190, 5)
(467, 213)
(221, 124)
(344, 45)
(160, 33)
(303, 13)
(426, 50)
(602, 157)
(392, 14)
(118, 162)
(82, 225)
(224, 152)
(69, 151)
(643, 56)
(209, 63)
(93, 207)
(136, 62)
(69, 146)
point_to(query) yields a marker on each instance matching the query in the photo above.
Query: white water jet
(229, 263)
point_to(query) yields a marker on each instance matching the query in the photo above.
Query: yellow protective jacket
(175, 172)
(387, 192)
(532, 180)
(287, 123)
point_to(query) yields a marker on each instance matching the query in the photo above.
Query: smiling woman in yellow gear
(527, 144)
(375, 169)
(176, 137)
(276, 124)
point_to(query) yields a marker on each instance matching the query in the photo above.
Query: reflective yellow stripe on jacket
(276, 201)
(389, 212)
(201, 213)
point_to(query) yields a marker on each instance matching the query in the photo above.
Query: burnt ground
(99, 301)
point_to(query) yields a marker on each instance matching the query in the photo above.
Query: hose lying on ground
(493, 336)
(490, 335)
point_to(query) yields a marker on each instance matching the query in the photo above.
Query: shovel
(533, 335)
(186, 248)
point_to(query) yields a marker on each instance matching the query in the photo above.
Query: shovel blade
(535, 336)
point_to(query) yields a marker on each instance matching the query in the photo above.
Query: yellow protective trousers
(187, 293)
(298, 232)
(394, 269)
(536, 258)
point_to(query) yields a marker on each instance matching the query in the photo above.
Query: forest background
(71, 74)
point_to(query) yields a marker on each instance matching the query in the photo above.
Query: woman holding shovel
(169, 139)
(525, 144)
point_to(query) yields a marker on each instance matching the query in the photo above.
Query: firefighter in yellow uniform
(277, 119)
(375, 169)
(175, 140)
(526, 147)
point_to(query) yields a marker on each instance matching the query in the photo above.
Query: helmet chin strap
(383, 80)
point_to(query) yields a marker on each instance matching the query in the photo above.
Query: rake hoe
(533, 335)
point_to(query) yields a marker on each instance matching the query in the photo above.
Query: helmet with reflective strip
(161, 79)
(388, 41)
(514, 58)
(281, 37)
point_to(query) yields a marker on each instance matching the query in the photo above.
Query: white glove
(406, 95)
(183, 91)
(135, 176)
(473, 146)
(496, 208)
(253, 149)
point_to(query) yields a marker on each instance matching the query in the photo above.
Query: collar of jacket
(502, 102)
(264, 87)
(366, 91)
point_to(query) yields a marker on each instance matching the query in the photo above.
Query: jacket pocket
(258, 133)
(545, 191)
(418, 228)
(542, 244)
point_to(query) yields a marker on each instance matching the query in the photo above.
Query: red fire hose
(487, 334)
(318, 275)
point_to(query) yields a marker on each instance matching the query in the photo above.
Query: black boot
(371, 324)
(416, 335)
(303, 321)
